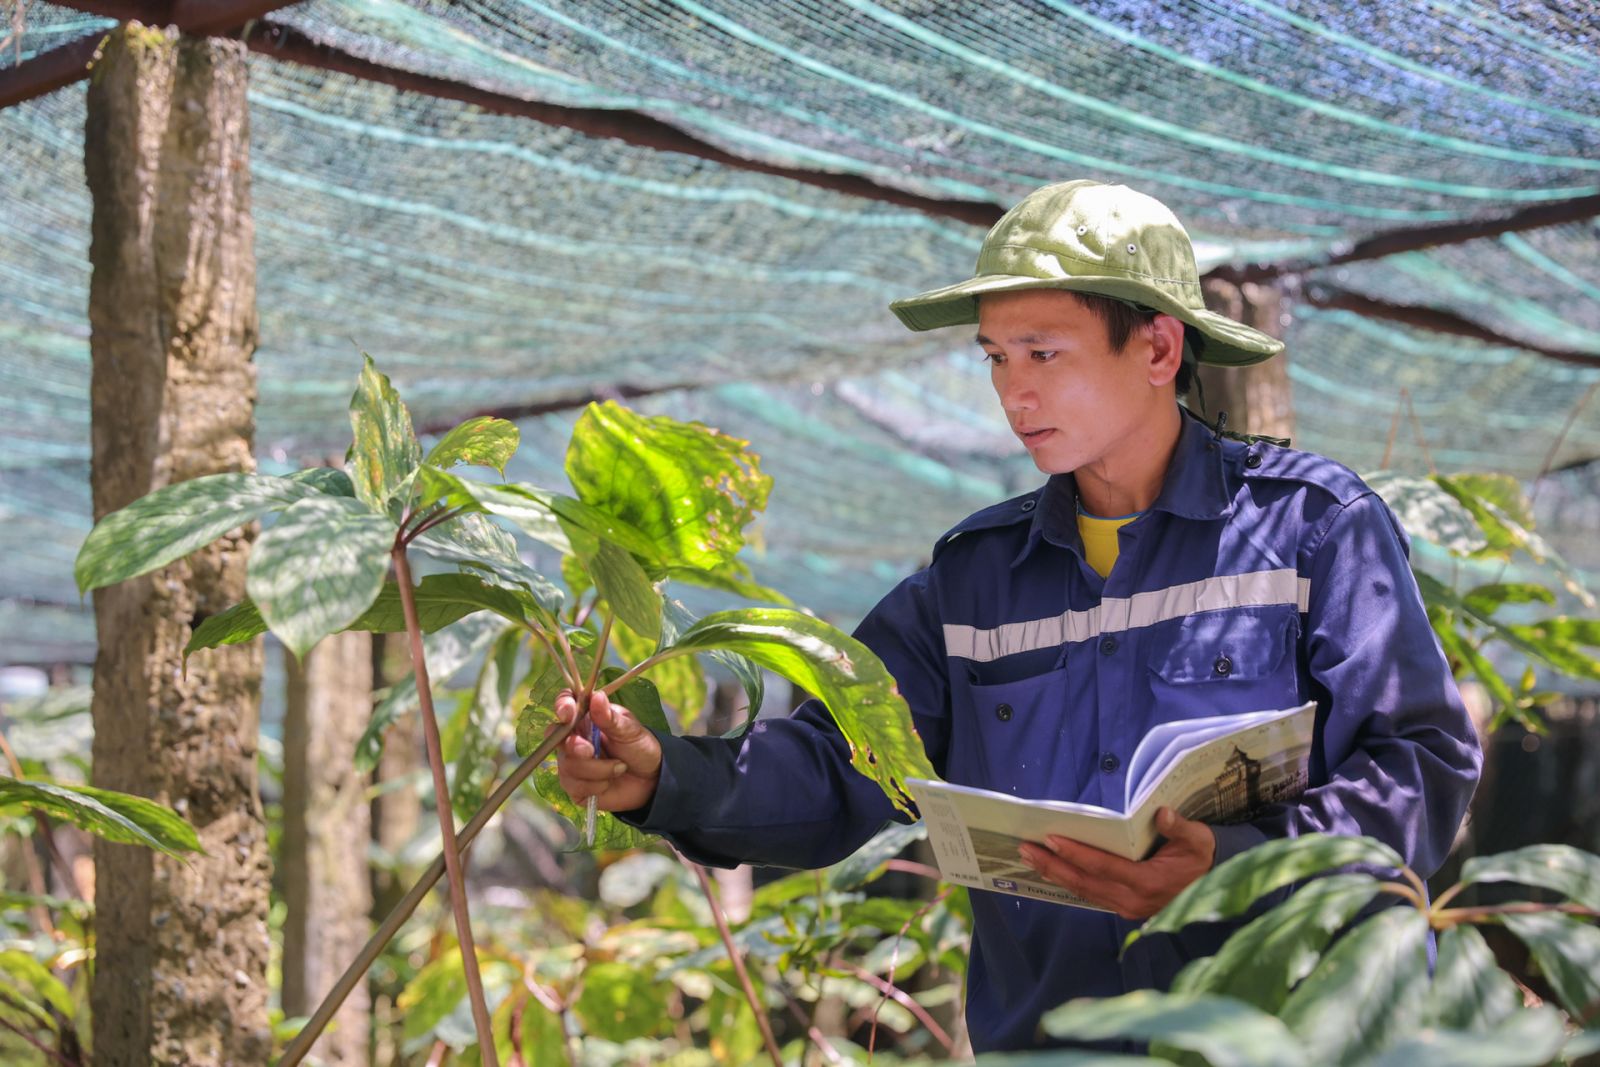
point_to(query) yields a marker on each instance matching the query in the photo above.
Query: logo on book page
(1005, 883)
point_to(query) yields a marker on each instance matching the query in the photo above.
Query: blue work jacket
(1261, 577)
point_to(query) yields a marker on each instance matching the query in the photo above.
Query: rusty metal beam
(630, 127)
(199, 17)
(1418, 238)
(1436, 319)
(48, 71)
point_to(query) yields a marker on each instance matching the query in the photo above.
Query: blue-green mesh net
(487, 260)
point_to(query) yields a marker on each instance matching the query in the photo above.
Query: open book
(1218, 769)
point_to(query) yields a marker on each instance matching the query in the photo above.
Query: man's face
(1070, 399)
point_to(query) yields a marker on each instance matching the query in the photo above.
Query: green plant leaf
(28, 972)
(1497, 503)
(1469, 990)
(1230, 889)
(623, 584)
(1573, 873)
(1370, 989)
(385, 454)
(319, 568)
(1427, 511)
(445, 653)
(473, 542)
(1067, 1058)
(852, 682)
(621, 1001)
(1227, 1032)
(675, 618)
(487, 708)
(544, 1036)
(1557, 642)
(1526, 1039)
(483, 441)
(1485, 600)
(1567, 951)
(733, 578)
(866, 862)
(680, 680)
(118, 817)
(432, 994)
(1267, 957)
(175, 520)
(688, 488)
(441, 600)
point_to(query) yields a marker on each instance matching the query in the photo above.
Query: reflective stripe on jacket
(1260, 578)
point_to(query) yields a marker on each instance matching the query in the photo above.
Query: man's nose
(1017, 393)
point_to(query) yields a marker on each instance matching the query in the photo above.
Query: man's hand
(626, 777)
(1134, 890)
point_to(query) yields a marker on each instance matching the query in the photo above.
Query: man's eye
(1043, 355)
(994, 357)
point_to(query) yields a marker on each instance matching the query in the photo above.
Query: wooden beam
(216, 18)
(1437, 320)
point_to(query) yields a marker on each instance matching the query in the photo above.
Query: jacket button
(1003, 712)
(1028, 505)
(1109, 762)
(1223, 666)
(1252, 460)
(1109, 645)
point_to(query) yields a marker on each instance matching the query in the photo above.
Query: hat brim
(1228, 343)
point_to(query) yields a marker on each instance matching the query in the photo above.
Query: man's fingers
(1194, 835)
(1093, 861)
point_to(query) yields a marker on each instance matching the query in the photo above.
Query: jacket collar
(1194, 487)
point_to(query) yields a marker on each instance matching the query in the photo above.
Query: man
(1163, 572)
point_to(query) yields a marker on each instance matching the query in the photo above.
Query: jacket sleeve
(1397, 754)
(785, 793)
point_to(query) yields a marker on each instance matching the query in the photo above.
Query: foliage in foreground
(654, 501)
(1329, 976)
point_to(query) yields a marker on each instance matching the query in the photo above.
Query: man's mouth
(1033, 437)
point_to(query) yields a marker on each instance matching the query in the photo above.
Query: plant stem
(402, 911)
(1448, 917)
(902, 998)
(738, 960)
(817, 1037)
(447, 826)
(1401, 889)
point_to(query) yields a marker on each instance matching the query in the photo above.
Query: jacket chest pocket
(1017, 738)
(1226, 662)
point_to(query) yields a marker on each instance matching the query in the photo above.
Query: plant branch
(36, 1043)
(574, 675)
(817, 1037)
(738, 960)
(1448, 917)
(913, 867)
(447, 827)
(889, 988)
(1402, 889)
(599, 657)
(436, 520)
(902, 998)
(402, 911)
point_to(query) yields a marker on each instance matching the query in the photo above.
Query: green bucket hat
(1093, 238)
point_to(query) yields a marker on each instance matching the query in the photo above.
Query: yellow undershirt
(1100, 540)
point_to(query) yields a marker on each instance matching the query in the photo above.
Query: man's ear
(1166, 349)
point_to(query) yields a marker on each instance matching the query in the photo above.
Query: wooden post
(181, 968)
(1256, 398)
(326, 827)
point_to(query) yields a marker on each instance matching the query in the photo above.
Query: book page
(1228, 776)
(976, 836)
(1226, 768)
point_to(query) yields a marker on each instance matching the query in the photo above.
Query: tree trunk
(1256, 398)
(181, 968)
(397, 808)
(326, 826)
